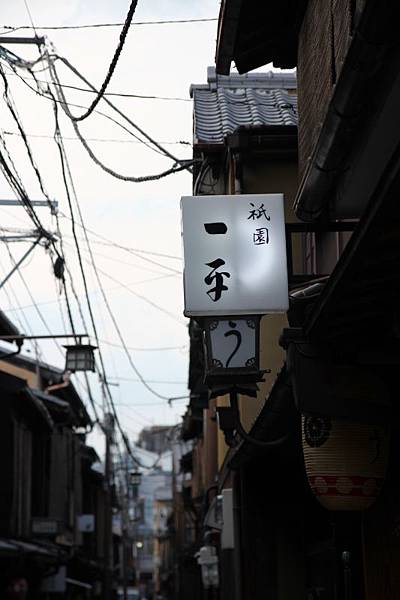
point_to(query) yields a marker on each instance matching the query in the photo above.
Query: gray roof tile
(226, 103)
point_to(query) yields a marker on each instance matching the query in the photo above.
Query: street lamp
(80, 357)
(232, 366)
(135, 478)
(232, 353)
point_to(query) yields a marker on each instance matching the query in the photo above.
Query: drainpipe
(58, 386)
(374, 36)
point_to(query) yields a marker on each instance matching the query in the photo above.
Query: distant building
(156, 438)
(162, 551)
(151, 508)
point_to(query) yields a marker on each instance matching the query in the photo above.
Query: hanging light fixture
(135, 478)
(232, 350)
(80, 357)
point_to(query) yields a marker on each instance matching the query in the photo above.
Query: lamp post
(79, 357)
(108, 426)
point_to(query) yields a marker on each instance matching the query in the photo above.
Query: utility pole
(125, 527)
(108, 549)
(125, 562)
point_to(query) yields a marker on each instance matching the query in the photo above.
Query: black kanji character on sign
(257, 213)
(216, 292)
(215, 228)
(261, 236)
(233, 332)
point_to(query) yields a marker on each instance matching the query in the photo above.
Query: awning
(53, 375)
(24, 399)
(7, 547)
(12, 547)
(77, 583)
(58, 409)
(39, 406)
(325, 387)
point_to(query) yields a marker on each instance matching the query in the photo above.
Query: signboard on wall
(86, 523)
(234, 254)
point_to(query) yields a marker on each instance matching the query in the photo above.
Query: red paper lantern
(345, 461)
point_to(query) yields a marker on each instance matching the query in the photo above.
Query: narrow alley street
(199, 316)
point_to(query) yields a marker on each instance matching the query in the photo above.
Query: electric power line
(103, 140)
(115, 94)
(140, 296)
(137, 294)
(38, 175)
(105, 299)
(149, 349)
(16, 184)
(51, 98)
(113, 63)
(160, 381)
(13, 180)
(21, 130)
(12, 28)
(65, 169)
(148, 404)
(93, 323)
(44, 322)
(160, 274)
(27, 288)
(178, 165)
(133, 251)
(182, 164)
(30, 17)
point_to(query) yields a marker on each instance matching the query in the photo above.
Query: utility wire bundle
(49, 60)
(7, 166)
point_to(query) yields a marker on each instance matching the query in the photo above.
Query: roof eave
(238, 41)
(208, 147)
(228, 23)
(349, 115)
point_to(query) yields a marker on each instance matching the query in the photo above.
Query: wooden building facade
(317, 515)
(49, 483)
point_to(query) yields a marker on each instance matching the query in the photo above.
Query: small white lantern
(232, 350)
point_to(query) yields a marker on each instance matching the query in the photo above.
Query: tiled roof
(226, 103)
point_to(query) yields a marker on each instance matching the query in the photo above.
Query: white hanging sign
(234, 254)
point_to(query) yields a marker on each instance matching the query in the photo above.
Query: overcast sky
(158, 60)
(144, 290)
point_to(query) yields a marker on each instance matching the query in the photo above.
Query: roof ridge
(263, 80)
